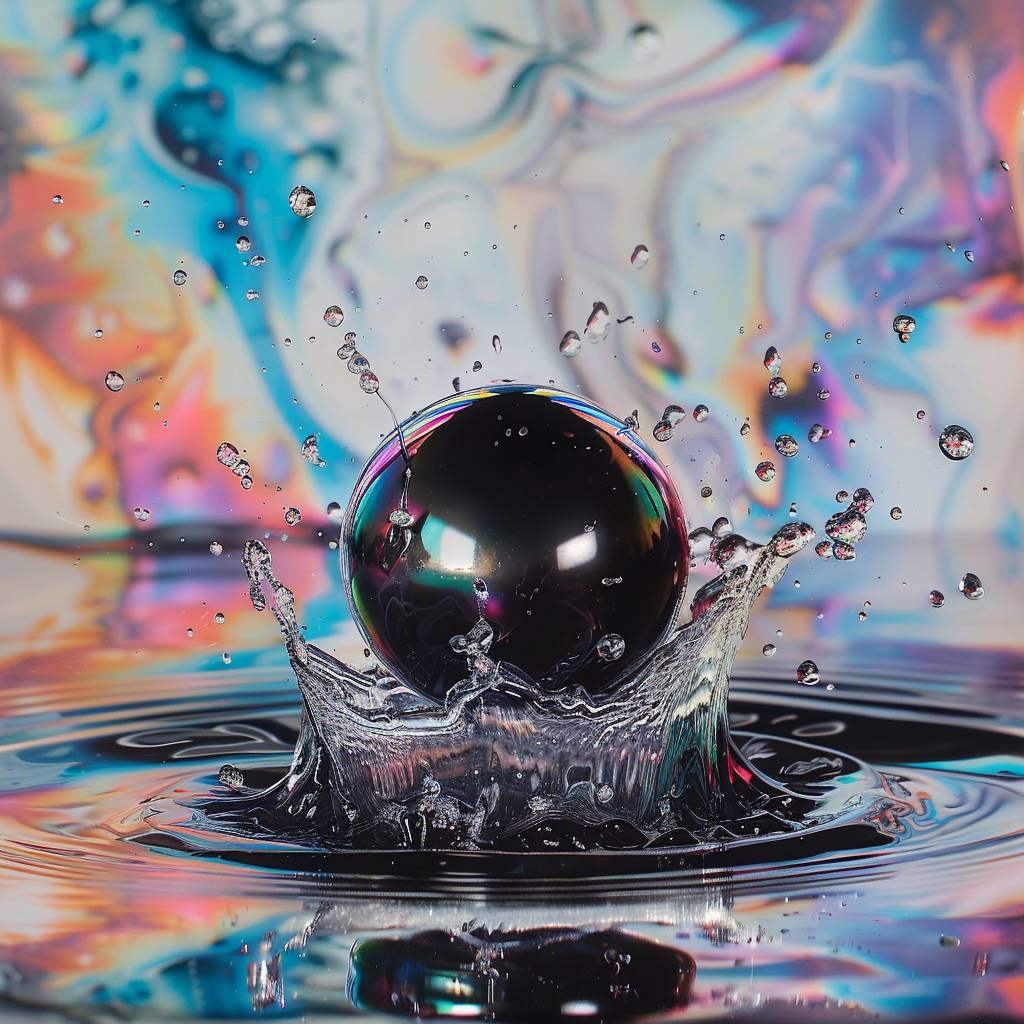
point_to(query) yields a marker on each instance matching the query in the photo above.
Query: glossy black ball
(569, 520)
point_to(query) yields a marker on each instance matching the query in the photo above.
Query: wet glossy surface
(569, 519)
(111, 713)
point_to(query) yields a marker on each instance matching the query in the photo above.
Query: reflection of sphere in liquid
(578, 534)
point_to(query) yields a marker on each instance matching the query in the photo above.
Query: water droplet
(402, 518)
(641, 257)
(142, 514)
(257, 261)
(701, 413)
(705, 492)
(936, 598)
(970, 587)
(598, 322)
(896, 512)
(842, 496)
(604, 793)
(956, 442)
(773, 361)
(114, 381)
(904, 326)
(252, 295)
(611, 581)
(496, 344)
(421, 282)
(949, 941)
(477, 366)
(98, 333)
(216, 548)
(302, 201)
(226, 658)
(631, 422)
(227, 454)
(334, 316)
(744, 428)
(570, 344)
(179, 277)
(645, 42)
(768, 650)
(817, 432)
(777, 387)
(368, 382)
(848, 526)
(787, 445)
(58, 200)
(823, 549)
(828, 335)
(358, 363)
(242, 243)
(920, 414)
(1005, 166)
(765, 471)
(969, 255)
(662, 430)
(231, 777)
(188, 632)
(310, 451)
(611, 647)
(292, 516)
(824, 394)
(246, 483)
(807, 673)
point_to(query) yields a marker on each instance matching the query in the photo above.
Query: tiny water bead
(787, 445)
(611, 647)
(662, 430)
(765, 471)
(645, 42)
(57, 200)
(231, 777)
(598, 322)
(896, 512)
(292, 516)
(824, 394)
(936, 598)
(246, 482)
(242, 243)
(227, 454)
(570, 345)
(744, 428)
(920, 414)
(768, 650)
(368, 382)
(773, 361)
(842, 496)
(956, 442)
(358, 363)
(705, 492)
(970, 587)
(252, 294)
(421, 282)
(641, 257)
(140, 513)
(114, 381)
(310, 451)
(216, 548)
(302, 201)
(904, 326)
(1005, 166)
(333, 316)
(701, 413)
(496, 344)
(818, 433)
(807, 673)
(179, 277)
(219, 618)
(969, 255)
(777, 387)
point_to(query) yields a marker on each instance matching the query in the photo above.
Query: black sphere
(569, 520)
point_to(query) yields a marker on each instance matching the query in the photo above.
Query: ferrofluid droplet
(956, 442)
(611, 647)
(333, 316)
(807, 673)
(640, 257)
(179, 277)
(936, 598)
(970, 587)
(777, 387)
(114, 381)
(570, 344)
(302, 201)
(765, 471)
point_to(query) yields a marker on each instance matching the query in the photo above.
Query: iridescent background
(801, 172)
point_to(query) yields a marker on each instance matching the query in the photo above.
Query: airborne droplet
(765, 471)
(302, 201)
(242, 243)
(114, 381)
(777, 387)
(368, 382)
(970, 587)
(292, 516)
(179, 277)
(611, 647)
(701, 413)
(787, 445)
(421, 282)
(640, 258)
(807, 673)
(773, 361)
(570, 344)
(334, 316)
(956, 442)
(936, 598)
